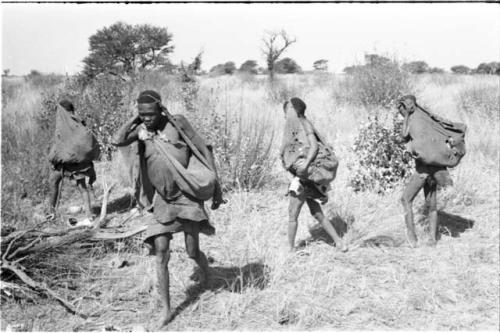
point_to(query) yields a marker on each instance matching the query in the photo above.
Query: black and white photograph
(250, 166)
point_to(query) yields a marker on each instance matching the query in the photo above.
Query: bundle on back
(163, 170)
(295, 148)
(73, 142)
(434, 140)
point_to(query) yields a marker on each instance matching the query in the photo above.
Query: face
(402, 109)
(287, 107)
(150, 115)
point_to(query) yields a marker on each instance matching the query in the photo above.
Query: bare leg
(193, 250)
(415, 184)
(84, 191)
(430, 191)
(294, 208)
(162, 248)
(317, 213)
(55, 179)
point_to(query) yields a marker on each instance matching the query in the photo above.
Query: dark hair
(67, 105)
(149, 96)
(298, 105)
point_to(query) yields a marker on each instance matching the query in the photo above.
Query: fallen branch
(16, 269)
(28, 244)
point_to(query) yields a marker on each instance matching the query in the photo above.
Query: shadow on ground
(453, 225)
(118, 205)
(318, 234)
(232, 279)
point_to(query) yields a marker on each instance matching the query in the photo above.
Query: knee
(162, 250)
(193, 252)
(162, 256)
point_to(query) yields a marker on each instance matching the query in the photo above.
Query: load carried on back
(295, 148)
(73, 142)
(433, 140)
(198, 179)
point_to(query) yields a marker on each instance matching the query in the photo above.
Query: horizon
(53, 38)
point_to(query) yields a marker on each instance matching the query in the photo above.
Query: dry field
(381, 283)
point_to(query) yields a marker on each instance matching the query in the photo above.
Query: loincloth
(310, 190)
(432, 173)
(78, 171)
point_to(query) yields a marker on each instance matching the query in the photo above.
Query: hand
(217, 199)
(144, 134)
(301, 168)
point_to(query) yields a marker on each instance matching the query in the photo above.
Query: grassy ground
(380, 283)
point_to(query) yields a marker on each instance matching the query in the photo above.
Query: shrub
(241, 147)
(480, 100)
(381, 158)
(377, 84)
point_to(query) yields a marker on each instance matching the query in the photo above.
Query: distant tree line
(124, 49)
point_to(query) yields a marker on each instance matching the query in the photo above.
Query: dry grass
(380, 283)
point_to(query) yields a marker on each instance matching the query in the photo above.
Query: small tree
(460, 69)
(221, 69)
(229, 67)
(488, 68)
(287, 66)
(416, 67)
(249, 66)
(6, 72)
(127, 48)
(321, 65)
(195, 66)
(275, 43)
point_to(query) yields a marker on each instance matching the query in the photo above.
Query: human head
(67, 105)
(149, 107)
(406, 105)
(297, 104)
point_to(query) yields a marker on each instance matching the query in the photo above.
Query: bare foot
(167, 318)
(201, 277)
(343, 247)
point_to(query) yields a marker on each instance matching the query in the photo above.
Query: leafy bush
(377, 84)
(381, 158)
(481, 100)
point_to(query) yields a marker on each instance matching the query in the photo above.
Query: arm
(406, 129)
(128, 133)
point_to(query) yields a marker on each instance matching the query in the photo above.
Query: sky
(54, 37)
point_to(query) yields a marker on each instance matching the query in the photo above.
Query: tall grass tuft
(481, 99)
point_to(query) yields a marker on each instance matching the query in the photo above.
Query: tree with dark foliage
(126, 48)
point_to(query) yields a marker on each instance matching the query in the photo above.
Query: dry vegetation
(380, 283)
